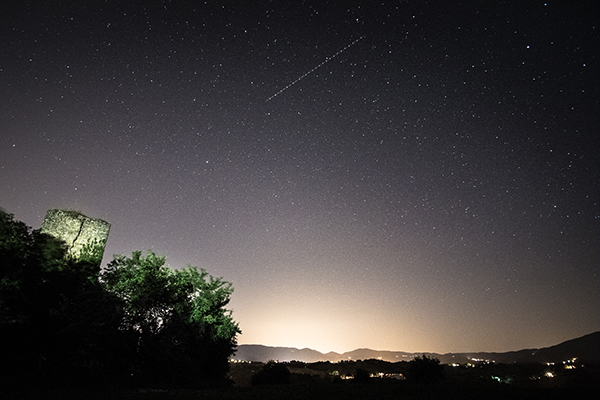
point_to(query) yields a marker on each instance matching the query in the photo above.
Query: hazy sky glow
(432, 187)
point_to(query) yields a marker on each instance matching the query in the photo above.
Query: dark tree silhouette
(361, 375)
(143, 323)
(272, 373)
(425, 370)
(56, 321)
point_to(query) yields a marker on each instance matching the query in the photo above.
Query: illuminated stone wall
(83, 235)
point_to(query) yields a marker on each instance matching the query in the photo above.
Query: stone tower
(83, 236)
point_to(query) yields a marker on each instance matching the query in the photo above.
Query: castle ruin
(84, 236)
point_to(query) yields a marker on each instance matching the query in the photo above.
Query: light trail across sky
(314, 69)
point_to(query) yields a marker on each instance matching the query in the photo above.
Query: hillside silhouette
(585, 349)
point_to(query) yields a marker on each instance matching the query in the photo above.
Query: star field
(400, 175)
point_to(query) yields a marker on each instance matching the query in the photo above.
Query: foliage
(175, 322)
(425, 370)
(272, 373)
(91, 253)
(55, 318)
(61, 325)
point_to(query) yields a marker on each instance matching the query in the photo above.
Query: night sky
(398, 175)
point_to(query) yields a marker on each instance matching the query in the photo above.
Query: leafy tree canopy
(176, 319)
(57, 323)
(62, 321)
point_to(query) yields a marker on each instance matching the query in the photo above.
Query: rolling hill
(585, 349)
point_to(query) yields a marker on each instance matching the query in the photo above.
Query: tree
(361, 375)
(56, 320)
(174, 322)
(425, 370)
(272, 373)
(64, 323)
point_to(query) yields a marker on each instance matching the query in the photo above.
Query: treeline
(420, 370)
(65, 322)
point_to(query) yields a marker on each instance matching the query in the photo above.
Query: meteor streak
(315, 68)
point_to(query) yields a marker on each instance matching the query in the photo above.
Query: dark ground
(308, 383)
(322, 391)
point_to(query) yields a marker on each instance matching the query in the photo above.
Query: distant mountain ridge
(585, 349)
